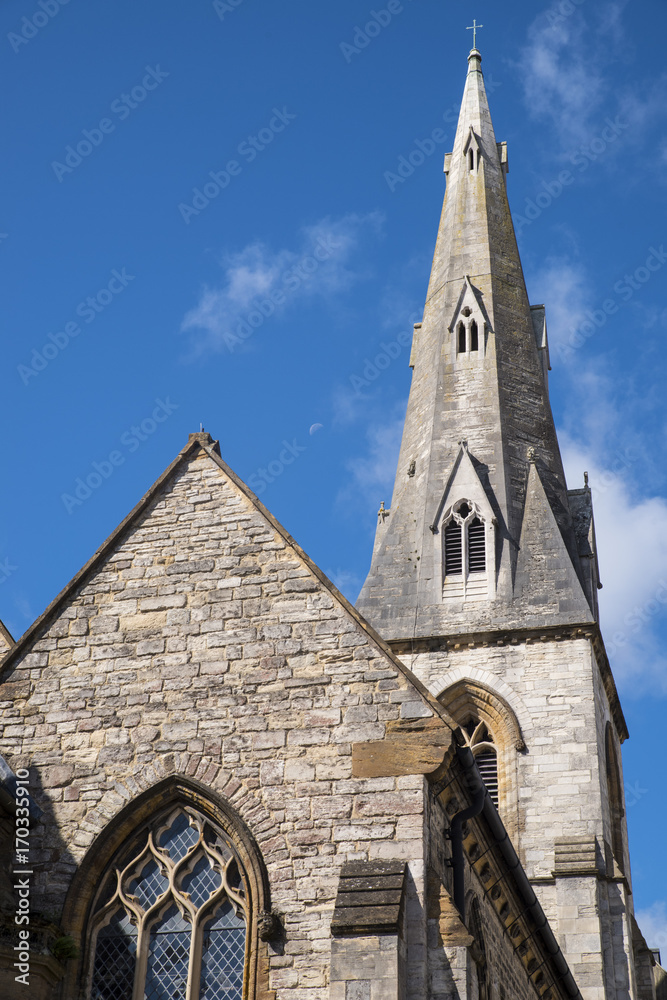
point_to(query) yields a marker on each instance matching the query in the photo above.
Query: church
(222, 781)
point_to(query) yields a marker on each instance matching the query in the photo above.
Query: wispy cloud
(653, 925)
(561, 81)
(259, 282)
(632, 544)
(372, 470)
(569, 77)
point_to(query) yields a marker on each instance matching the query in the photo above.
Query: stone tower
(484, 574)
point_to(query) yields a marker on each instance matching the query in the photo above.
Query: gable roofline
(204, 442)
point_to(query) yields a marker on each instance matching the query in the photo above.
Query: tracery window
(468, 333)
(464, 553)
(171, 918)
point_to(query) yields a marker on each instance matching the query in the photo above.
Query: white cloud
(372, 472)
(562, 81)
(562, 283)
(632, 549)
(347, 581)
(570, 71)
(653, 925)
(258, 282)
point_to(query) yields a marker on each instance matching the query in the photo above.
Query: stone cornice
(523, 636)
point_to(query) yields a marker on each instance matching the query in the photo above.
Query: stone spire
(479, 449)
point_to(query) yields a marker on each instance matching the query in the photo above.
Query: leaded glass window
(171, 918)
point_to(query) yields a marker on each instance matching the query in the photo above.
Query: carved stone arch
(467, 698)
(615, 797)
(175, 790)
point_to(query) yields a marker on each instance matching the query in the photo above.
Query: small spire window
(462, 338)
(471, 159)
(474, 337)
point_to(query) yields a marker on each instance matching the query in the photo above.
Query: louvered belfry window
(480, 741)
(171, 918)
(464, 553)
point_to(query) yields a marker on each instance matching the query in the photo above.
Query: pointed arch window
(491, 730)
(469, 333)
(465, 552)
(461, 338)
(171, 917)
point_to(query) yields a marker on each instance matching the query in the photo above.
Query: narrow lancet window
(453, 549)
(471, 158)
(462, 338)
(476, 547)
(474, 337)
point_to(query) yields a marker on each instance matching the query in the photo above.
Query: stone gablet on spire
(448, 556)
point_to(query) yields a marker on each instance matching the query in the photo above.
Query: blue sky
(201, 221)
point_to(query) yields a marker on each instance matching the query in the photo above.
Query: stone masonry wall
(556, 693)
(205, 646)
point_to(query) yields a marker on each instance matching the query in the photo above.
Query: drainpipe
(482, 803)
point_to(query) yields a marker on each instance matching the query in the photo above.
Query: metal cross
(474, 28)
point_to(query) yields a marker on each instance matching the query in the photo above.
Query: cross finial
(474, 27)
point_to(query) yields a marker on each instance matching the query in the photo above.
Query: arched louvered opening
(461, 338)
(484, 751)
(474, 336)
(453, 549)
(476, 547)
